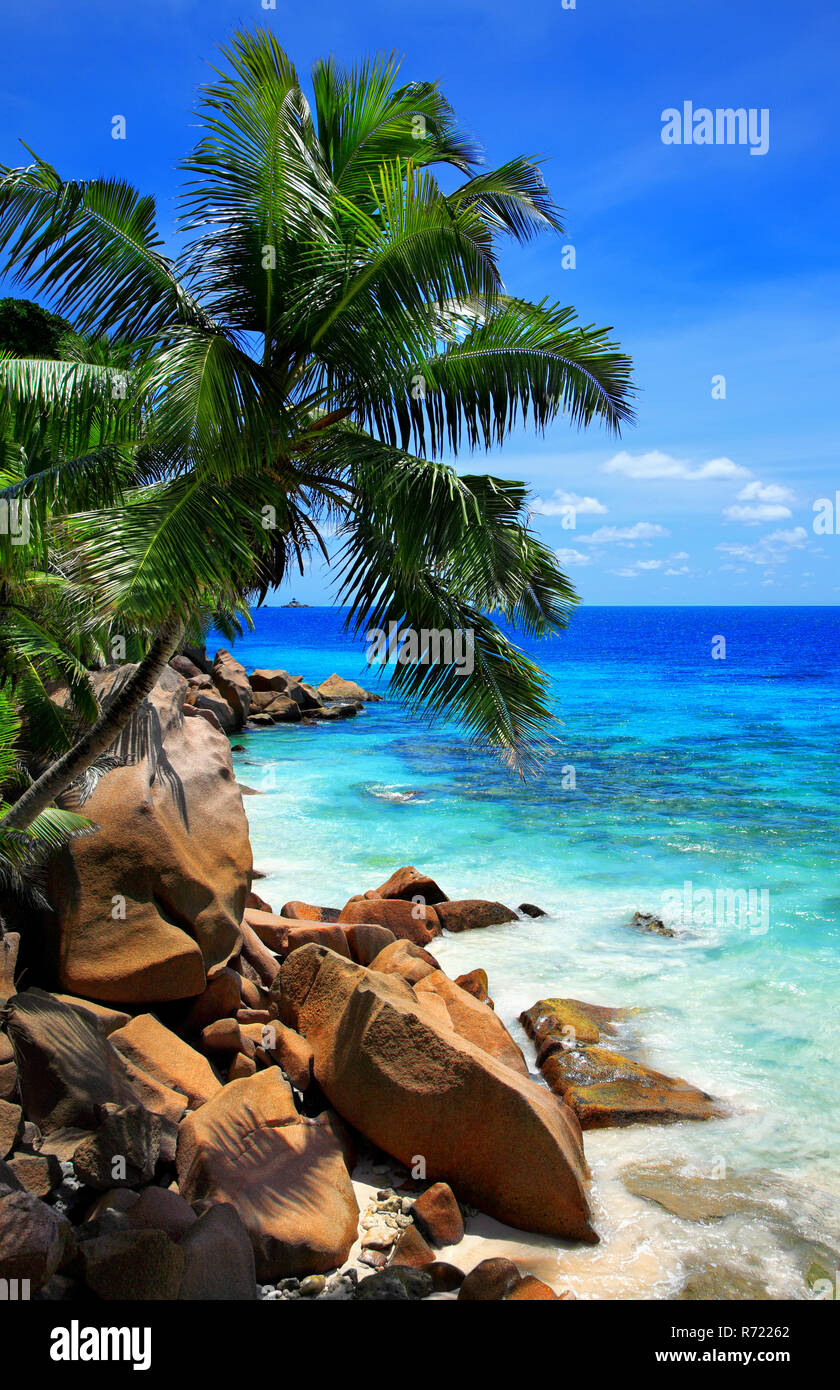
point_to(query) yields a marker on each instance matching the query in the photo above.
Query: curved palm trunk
(101, 735)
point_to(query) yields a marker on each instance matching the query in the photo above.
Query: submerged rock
(605, 1088)
(645, 921)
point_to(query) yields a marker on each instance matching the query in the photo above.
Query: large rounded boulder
(410, 1083)
(150, 904)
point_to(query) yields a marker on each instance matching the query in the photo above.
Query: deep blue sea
(704, 790)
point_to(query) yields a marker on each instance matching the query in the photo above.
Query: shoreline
(670, 1234)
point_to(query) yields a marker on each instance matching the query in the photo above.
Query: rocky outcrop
(67, 1071)
(601, 1085)
(278, 681)
(151, 903)
(285, 1175)
(416, 1088)
(335, 687)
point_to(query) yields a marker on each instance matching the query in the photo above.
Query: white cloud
(656, 465)
(573, 557)
(561, 502)
(648, 564)
(625, 535)
(756, 512)
(766, 492)
(770, 550)
(761, 502)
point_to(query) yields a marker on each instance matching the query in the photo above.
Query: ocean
(691, 778)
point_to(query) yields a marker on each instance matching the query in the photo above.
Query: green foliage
(28, 330)
(334, 332)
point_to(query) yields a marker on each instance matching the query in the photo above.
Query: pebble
(312, 1285)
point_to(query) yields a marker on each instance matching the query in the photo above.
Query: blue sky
(707, 260)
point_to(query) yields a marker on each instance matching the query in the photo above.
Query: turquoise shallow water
(722, 774)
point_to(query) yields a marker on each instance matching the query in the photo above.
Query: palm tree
(335, 326)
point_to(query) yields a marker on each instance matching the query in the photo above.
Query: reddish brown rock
(9, 947)
(232, 683)
(307, 912)
(218, 1258)
(411, 1249)
(226, 1035)
(270, 927)
(304, 695)
(106, 1020)
(410, 884)
(490, 1281)
(254, 900)
(241, 1067)
(124, 1150)
(335, 687)
(135, 1265)
(330, 934)
(414, 1088)
(66, 1069)
(405, 959)
(366, 941)
(290, 1051)
(158, 1209)
(278, 681)
(11, 1124)
(33, 1239)
(437, 1215)
(185, 667)
(604, 1088)
(161, 1053)
(470, 913)
(285, 1175)
(221, 999)
(531, 1290)
(409, 921)
(281, 710)
(150, 904)
(258, 956)
(37, 1173)
(474, 1020)
(445, 1277)
(212, 708)
(475, 983)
